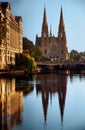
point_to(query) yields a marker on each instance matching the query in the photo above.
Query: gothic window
(53, 49)
(44, 34)
(61, 35)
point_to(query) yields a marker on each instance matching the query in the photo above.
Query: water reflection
(47, 107)
(50, 85)
(22, 85)
(11, 104)
(76, 76)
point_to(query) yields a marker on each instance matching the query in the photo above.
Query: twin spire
(45, 23)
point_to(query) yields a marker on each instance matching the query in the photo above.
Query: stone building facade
(10, 35)
(54, 48)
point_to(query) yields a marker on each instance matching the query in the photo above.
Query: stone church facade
(54, 48)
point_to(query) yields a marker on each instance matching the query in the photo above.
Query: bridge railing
(60, 62)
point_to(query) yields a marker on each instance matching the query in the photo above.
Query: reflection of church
(54, 48)
(50, 85)
(11, 104)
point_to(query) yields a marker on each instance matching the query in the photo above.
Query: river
(43, 102)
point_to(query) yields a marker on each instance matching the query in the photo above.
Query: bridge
(53, 66)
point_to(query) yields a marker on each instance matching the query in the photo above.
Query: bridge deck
(48, 63)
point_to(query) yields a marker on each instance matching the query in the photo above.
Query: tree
(31, 49)
(38, 55)
(28, 47)
(75, 55)
(25, 61)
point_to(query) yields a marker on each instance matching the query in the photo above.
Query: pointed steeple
(45, 18)
(44, 25)
(61, 30)
(61, 19)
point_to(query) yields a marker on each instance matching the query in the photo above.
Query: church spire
(44, 25)
(61, 30)
(61, 19)
(45, 18)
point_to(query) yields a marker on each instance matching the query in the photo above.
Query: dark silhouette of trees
(33, 50)
(77, 56)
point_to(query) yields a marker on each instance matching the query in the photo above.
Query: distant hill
(27, 44)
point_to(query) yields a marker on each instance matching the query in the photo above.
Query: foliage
(33, 50)
(25, 61)
(38, 55)
(76, 56)
(28, 46)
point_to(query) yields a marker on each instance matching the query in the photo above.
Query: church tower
(53, 48)
(62, 39)
(44, 34)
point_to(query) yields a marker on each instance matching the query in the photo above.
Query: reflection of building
(49, 85)
(11, 104)
(10, 35)
(24, 87)
(54, 48)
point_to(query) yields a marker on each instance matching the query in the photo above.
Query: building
(10, 35)
(54, 48)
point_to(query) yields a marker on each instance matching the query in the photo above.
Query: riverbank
(20, 73)
(13, 73)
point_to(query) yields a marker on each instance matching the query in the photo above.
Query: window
(61, 34)
(44, 34)
(54, 49)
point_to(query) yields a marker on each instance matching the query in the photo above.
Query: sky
(32, 15)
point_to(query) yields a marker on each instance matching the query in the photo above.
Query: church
(53, 48)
